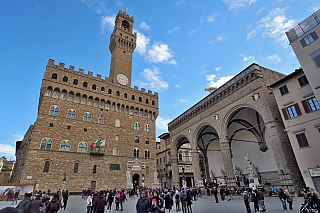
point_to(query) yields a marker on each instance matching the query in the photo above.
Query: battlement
(125, 15)
(61, 66)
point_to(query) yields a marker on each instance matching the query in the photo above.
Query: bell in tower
(122, 44)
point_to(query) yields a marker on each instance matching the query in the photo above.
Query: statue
(1, 164)
(223, 174)
(128, 175)
(237, 171)
(252, 169)
(155, 177)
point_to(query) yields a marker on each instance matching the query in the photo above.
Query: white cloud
(247, 58)
(219, 82)
(218, 68)
(239, 4)
(19, 137)
(107, 22)
(191, 32)
(274, 25)
(119, 3)
(174, 30)
(221, 37)
(162, 123)
(210, 18)
(7, 149)
(314, 8)
(203, 71)
(144, 26)
(274, 58)
(181, 101)
(96, 6)
(142, 42)
(153, 79)
(179, 85)
(160, 53)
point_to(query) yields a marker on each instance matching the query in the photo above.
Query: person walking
(122, 195)
(110, 200)
(22, 205)
(143, 204)
(183, 199)
(189, 201)
(168, 201)
(65, 198)
(15, 197)
(34, 205)
(89, 204)
(222, 191)
(282, 198)
(246, 201)
(117, 201)
(289, 199)
(215, 193)
(54, 205)
(228, 194)
(261, 200)
(158, 207)
(255, 200)
(100, 204)
(177, 199)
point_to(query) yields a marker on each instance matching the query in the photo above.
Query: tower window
(136, 126)
(125, 24)
(46, 166)
(147, 101)
(125, 95)
(147, 140)
(65, 79)
(132, 97)
(147, 128)
(140, 99)
(117, 93)
(102, 89)
(75, 81)
(94, 87)
(136, 140)
(54, 76)
(110, 91)
(75, 168)
(85, 84)
(101, 119)
(152, 102)
(94, 169)
(87, 117)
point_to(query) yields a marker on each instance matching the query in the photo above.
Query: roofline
(164, 135)
(296, 72)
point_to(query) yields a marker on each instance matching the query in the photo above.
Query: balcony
(97, 152)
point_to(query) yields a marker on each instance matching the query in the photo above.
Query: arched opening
(136, 180)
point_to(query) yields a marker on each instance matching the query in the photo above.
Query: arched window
(108, 105)
(75, 81)
(54, 110)
(63, 94)
(65, 146)
(96, 102)
(54, 76)
(84, 99)
(51, 110)
(75, 168)
(147, 153)
(132, 97)
(85, 84)
(46, 166)
(94, 169)
(100, 119)
(140, 99)
(87, 117)
(147, 101)
(109, 91)
(65, 79)
(136, 140)
(102, 89)
(126, 110)
(147, 128)
(125, 95)
(90, 101)
(82, 147)
(69, 113)
(116, 151)
(49, 92)
(136, 152)
(136, 126)
(70, 96)
(101, 105)
(46, 144)
(77, 98)
(94, 87)
(147, 141)
(56, 92)
(153, 103)
(117, 93)
(140, 112)
(73, 114)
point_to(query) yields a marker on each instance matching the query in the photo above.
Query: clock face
(122, 79)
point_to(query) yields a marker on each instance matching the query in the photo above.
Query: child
(117, 201)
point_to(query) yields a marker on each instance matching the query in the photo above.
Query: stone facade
(76, 108)
(6, 171)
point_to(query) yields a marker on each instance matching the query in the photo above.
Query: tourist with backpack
(54, 205)
(22, 205)
(183, 198)
(34, 205)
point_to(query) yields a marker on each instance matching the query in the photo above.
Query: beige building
(305, 42)
(76, 109)
(300, 113)
(6, 170)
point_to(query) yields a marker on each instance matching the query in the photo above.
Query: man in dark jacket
(34, 205)
(168, 202)
(215, 192)
(261, 200)
(282, 197)
(22, 205)
(15, 197)
(143, 204)
(54, 205)
(100, 204)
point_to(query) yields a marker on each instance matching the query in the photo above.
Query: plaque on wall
(114, 166)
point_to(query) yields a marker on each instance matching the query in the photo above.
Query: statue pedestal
(129, 186)
(253, 181)
(156, 185)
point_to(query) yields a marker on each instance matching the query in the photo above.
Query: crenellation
(136, 88)
(81, 70)
(149, 92)
(98, 76)
(61, 65)
(156, 94)
(51, 62)
(90, 73)
(71, 68)
(143, 90)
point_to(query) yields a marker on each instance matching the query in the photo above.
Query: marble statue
(1, 164)
(155, 177)
(128, 175)
(223, 173)
(252, 169)
(238, 171)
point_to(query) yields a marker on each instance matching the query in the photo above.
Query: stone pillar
(196, 166)
(206, 164)
(175, 172)
(227, 162)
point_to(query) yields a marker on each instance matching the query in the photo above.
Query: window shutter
(317, 61)
(305, 106)
(303, 43)
(285, 113)
(296, 106)
(314, 36)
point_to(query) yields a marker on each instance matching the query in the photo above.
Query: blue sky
(183, 47)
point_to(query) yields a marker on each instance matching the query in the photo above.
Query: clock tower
(122, 44)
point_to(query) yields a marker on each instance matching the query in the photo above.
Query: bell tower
(122, 44)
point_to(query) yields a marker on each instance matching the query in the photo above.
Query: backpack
(171, 201)
(183, 196)
(53, 207)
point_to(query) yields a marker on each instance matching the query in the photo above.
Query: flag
(98, 142)
(103, 143)
(93, 143)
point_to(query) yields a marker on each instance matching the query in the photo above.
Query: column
(227, 162)
(175, 172)
(206, 164)
(196, 166)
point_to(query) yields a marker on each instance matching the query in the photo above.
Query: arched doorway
(135, 180)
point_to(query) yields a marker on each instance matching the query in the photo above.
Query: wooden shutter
(285, 113)
(305, 106)
(303, 43)
(314, 36)
(296, 106)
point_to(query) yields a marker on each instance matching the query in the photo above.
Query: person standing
(143, 204)
(65, 198)
(168, 202)
(246, 201)
(54, 205)
(89, 204)
(15, 197)
(177, 198)
(189, 201)
(282, 198)
(255, 200)
(289, 199)
(110, 200)
(215, 193)
(222, 191)
(122, 195)
(100, 204)
(158, 207)
(117, 201)
(22, 205)
(49, 191)
(261, 200)
(34, 205)
(183, 198)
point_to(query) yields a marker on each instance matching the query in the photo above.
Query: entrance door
(135, 180)
(93, 186)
